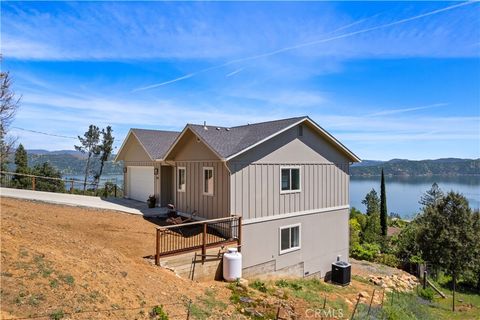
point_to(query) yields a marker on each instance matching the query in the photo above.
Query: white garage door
(141, 182)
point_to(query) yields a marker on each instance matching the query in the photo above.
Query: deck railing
(198, 235)
(60, 185)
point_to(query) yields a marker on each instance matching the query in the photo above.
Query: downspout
(229, 185)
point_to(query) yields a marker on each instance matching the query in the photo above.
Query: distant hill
(71, 162)
(404, 167)
(68, 162)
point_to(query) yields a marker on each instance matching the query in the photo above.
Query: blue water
(403, 193)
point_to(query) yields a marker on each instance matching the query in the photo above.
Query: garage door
(141, 181)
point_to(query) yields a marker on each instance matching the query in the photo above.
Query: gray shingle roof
(156, 142)
(229, 141)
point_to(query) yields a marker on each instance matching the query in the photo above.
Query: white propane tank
(232, 265)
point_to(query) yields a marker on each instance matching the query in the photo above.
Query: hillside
(68, 162)
(403, 167)
(60, 262)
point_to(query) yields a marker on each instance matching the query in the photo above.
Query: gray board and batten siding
(256, 176)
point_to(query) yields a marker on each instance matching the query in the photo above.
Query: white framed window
(181, 179)
(290, 238)
(208, 181)
(289, 179)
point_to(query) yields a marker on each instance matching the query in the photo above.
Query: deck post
(33, 183)
(239, 240)
(157, 248)
(204, 242)
(71, 187)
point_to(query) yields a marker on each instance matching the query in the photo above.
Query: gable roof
(225, 142)
(154, 142)
(228, 143)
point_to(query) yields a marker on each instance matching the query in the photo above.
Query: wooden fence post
(189, 307)
(33, 183)
(157, 249)
(71, 187)
(204, 242)
(371, 300)
(424, 279)
(239, 241)
(355, 309)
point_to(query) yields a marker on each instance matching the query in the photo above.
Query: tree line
(444, 236)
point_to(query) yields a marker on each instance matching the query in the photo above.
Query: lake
(403, 193)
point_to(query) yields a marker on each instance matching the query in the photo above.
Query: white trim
(328, 135)
(293, 214)
(288, 167)
(203, 181)
(185, 178)
(299, 225)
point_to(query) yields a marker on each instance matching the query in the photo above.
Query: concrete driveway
(118, 204)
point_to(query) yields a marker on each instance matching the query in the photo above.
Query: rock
(243, 283)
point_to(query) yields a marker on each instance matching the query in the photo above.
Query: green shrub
(281, 283)
(158, 313)
(366, 251)
(388, 259)
(57, 315)
(426, 294)
(259, 285)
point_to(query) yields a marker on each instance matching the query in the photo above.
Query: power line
(45, 133)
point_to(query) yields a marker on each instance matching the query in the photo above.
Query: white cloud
(126, 31)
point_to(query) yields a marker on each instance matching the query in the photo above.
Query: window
(289, 238)
(181, 179)
(290, 180)
(208, 181)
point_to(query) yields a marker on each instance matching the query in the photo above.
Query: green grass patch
(68, 279)
(57, 315)
(206, 306)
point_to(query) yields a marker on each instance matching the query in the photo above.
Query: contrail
(156, 85)
(234, 72)
(302, 45)
(387, 112)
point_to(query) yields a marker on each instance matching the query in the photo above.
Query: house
(288, 179)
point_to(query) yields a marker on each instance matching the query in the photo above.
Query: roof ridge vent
(218, 128)
(228, 129)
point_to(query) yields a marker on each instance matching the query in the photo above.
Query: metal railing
(59, 185)
(193, 236)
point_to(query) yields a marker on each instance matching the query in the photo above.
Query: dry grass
(59, 259)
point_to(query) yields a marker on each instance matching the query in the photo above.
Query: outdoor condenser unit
(341, 272)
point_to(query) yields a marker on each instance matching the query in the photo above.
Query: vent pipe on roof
(205, 125)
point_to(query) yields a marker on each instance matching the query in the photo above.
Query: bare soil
(85, 263)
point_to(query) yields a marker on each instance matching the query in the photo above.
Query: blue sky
(390, 80)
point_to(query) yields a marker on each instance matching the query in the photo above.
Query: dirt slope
(59, 259)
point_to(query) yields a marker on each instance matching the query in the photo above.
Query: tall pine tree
(21, 162)
(383, 207)
(89, 144)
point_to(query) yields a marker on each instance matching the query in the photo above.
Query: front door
(166, 185)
